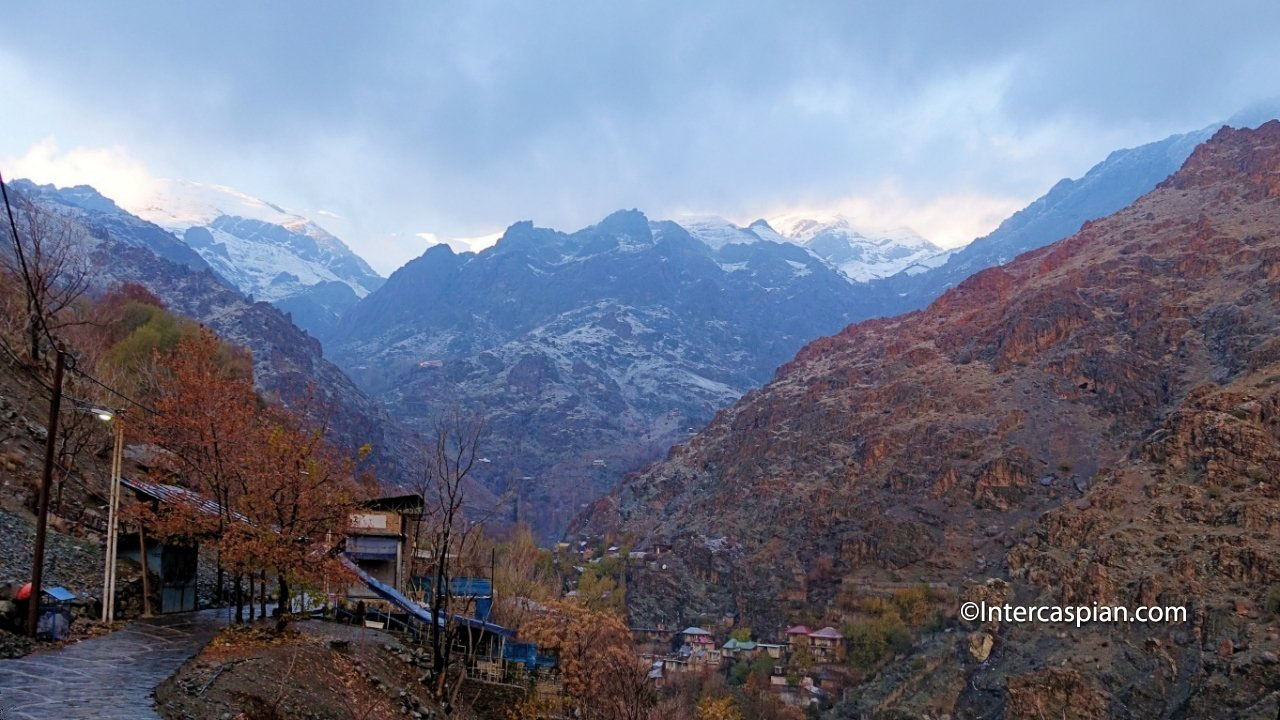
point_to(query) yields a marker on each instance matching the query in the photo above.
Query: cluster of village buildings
(803, 663)
(800, 682)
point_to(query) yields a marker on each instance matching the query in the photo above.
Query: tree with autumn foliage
(298, 498)
(523, 578)
(204, 425)
(283, 493)
(602, 676)
(717, 708)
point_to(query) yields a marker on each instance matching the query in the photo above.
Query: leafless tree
(449, 537)
(53, 268)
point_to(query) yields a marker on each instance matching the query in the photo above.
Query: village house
(826, 645)
(698, 647)
(773, 650)
(380, 539)
(174, 560)
(798, 637)
(739, 649)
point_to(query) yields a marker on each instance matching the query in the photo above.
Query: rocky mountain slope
(266, 252)
(1107, 187)
(589, 352)
(1096, 422)
(124, 248)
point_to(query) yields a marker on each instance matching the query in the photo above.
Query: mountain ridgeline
(1096, 422)
(263, 250)
(123, 248)
(590, 352)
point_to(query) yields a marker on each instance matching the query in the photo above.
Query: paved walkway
(110, 676)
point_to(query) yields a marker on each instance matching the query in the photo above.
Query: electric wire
(32, 295)
(39, 314)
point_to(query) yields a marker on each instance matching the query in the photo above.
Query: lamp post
(113, 513)
(113, 507)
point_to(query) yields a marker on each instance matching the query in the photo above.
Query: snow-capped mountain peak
(180, 204)
(717, 232)
(263, 249)
(860, 253)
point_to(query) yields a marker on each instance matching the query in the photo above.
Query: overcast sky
(456, 119)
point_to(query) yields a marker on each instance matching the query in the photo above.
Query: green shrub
(913, 604)
(1273, 601)
(874, 640)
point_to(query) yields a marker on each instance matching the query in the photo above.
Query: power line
(16, 360)
(39, 313)
(114, 391)
(22, 364)
(22, 263)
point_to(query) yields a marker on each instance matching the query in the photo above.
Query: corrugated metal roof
(827, 632)
(176, 495)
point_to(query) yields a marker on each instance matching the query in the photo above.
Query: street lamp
(113, 508)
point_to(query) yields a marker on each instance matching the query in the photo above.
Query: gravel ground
(72, 563)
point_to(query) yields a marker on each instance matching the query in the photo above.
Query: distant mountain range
(859, 254)
(1107, 187)
(1093, 424)
(589, 352)
(263, 250)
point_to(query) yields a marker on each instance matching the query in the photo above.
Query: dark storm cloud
(461, 117)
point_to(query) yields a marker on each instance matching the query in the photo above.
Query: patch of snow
(180, 204)
(715, 231)
(800, 268)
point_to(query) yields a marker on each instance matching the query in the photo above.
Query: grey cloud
(462, 117)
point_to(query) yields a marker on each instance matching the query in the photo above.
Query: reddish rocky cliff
(1097, 421)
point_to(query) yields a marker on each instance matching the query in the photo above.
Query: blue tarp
(60, 594)
(527, 655)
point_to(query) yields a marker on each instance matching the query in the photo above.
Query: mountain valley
(1094, 422)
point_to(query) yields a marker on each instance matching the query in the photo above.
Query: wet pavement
(109, 676)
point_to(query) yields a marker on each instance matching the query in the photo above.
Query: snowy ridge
(180, 204)
(246, 252)
(264, 250)
(861, 254)
(858, 254)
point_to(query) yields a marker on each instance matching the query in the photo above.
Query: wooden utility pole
(42, 505)
(146, 582)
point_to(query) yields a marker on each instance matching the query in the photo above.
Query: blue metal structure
(416, 611)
